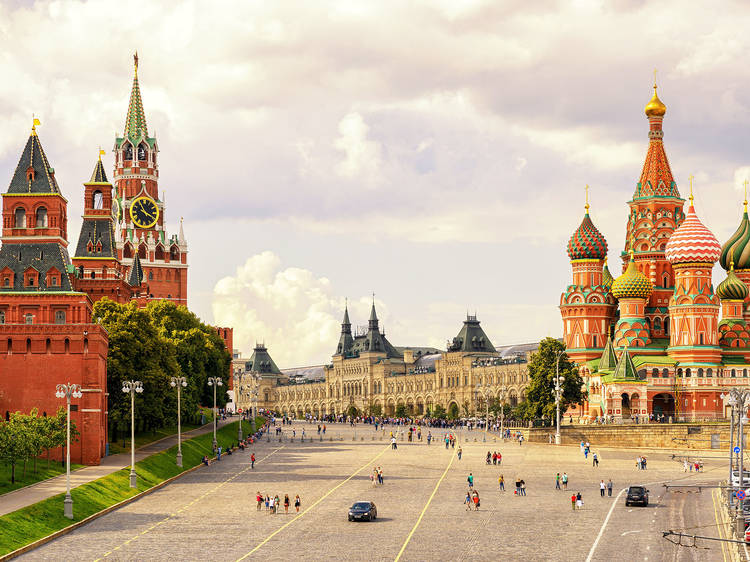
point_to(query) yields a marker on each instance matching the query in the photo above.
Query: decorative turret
(607, 279)
(587, 243)
(655, 107)
(632, 284)
(345, 341)
(733, 330)
(692, 242)
(737, 248)
(732, 288)
(633, 289)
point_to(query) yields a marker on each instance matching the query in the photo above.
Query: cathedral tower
(140, 210)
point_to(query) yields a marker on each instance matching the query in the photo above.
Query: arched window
(655, 373)
(150, 275)
(679, 372)
(2, 317)
(142, 251)
(98, 200)
(59, 317)
(657, 324)
(28, 345)
(20, 217)
(48, 345)
(41, 217)
(700, 372)
(127, 252)
(687, 372)
(709, 372)
(733, 373)
(128, 151)
(142, 151)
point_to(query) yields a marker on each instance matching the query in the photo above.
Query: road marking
(429, 501)
(168, 517)
(719, 524)
(604, 525)
(324, 496)
(630, 532)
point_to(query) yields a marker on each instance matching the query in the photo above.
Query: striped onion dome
(738, 246)
(692, 242)
(587, 243)
(607, 278)
(632, 284)
(732, 288)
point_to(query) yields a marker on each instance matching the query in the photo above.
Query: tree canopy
(540, 400)
(152, 345)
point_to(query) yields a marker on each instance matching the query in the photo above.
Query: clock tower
(139, 209)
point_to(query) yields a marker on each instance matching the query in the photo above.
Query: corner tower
(139, 209)
(656, 210)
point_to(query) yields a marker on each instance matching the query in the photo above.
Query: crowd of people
(273, 503)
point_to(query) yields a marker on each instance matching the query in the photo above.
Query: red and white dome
(692, 242)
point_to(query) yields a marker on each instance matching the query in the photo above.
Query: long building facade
(658, 339)
(370, 374)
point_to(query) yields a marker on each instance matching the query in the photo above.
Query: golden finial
(654, 80)
(135, 60)
(745, 184)
(731, 259)
(691, 190)
(34, 124)
(101, 153)
(587, 198)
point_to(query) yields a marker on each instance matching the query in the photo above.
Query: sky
(432, 153)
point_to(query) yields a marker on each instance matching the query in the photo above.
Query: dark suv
(364, 511)
(637, 494)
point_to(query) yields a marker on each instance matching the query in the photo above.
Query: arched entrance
(663, 404)
(625, 405)
(453, 410)
(635, 403)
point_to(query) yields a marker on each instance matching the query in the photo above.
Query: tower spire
(135, 121)
(587, 198)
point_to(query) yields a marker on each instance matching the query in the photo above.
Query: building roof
(314, 373)
(136, 129)
(42, 257)
(692, 242)
(587, 242)
(471, 337)
(33, 173)
(96, 231)
(656, 176)
(136, 272)
(260, 362)
(608, 360)
(98, 175)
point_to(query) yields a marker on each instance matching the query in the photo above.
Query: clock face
(144, 212)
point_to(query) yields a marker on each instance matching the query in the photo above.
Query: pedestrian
(470, 480)
(595, 461)
(276, 503)
(468, 500)
(573, 501)
(579, 501)
(429, 437)
(565, 480)
(523, 488)
(609, 488)
(476, 500)
(393, 443)
(380, 475)
(459, 452)
(297, 502)
(252, 460)
(602, 486)
(557, 482)
(586, 453)
(499, 459)
(218, 457)
(272, 505)
(267, 501)
(501, 482)
(518, 487)
(488, 460)
(684, 465)
(494, 458)
(286, 504)
(259, 500)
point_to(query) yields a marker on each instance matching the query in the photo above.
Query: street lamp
(215, 381)
(178, 382)
(238, 375)
(256, 392)
(557, 391)
(132, 387)
(501, 397)
(486, 392)
(67, 391)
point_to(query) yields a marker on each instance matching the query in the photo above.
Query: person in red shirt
(259, 500)
(252, 460)
(573, 501)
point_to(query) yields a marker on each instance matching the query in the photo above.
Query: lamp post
(238, 375)
(558, 393)
(732, 402)
(739, 400)
(257, 379)
(501, 397)
(178, 382)
(215, 381)
(67, 391)
(485, 391)
(132, 387)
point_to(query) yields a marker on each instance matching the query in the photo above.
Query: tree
(439, 412)
(14, 442)
(540, 400)
(401, 411)
(376, 410)
(453, 411)
(352, 411)
(466, 407)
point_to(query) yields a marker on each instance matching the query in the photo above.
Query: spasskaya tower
(139, 210)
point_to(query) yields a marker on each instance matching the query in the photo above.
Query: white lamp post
(68, 391)
(238, 375)
(558, 393)
(214, 382)
(178, 382)
(485, 391)
(132, 387)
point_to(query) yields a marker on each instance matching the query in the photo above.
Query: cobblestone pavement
(211, 512)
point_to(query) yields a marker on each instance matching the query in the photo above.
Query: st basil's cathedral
(658, 340)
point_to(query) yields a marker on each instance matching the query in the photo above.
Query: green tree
(439, 412)
(401, 411)
(352, 411)
(376, 410)
(14, 442)
(540, 400)
(453, 411)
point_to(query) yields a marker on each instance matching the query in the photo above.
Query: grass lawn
(36, 521)
(55, 468)
(146, 437)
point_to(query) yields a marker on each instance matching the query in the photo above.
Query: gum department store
(649, 342)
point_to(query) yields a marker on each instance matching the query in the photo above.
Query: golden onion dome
(655, 107)
(632, 283)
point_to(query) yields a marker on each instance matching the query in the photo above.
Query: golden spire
(34, 124)
(691, 190)
(587, 198)
(731, 255)
(135, 60)
(655, 107)
(745, 183)
(101, 153)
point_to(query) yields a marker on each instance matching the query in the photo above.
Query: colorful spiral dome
(692, 242)
(607, 278)
(587, 243)
(632, 284)
(737, 247)
(732, 288)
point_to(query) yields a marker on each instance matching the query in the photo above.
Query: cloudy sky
(433, 153)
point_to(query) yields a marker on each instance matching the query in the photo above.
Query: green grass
(43, 473)
(146, 437)
(36, 521)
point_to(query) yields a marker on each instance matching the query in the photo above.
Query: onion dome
(732, 288)
(738, 246)
(692, 242)
(655, 107)
(632, 284)
(607, 278)
(587, 243)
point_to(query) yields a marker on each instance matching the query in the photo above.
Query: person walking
(573, 502)
(518, 487)
(476, 500)
(267, 501)
(459, 452)
(429, 437)
(393, 443)
(468, 500)
(501, 482)
(252, 460)
(499, 459)
(579, 501)
(609, 488)
(259, 500)
(565, 480)
(602, 486)
(523, 488)
(557, 482)
(286, 504)
(470, 480)
(271, 505)
(297, 502)
(595, 461)
(380, 476)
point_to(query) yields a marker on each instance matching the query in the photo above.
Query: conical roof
(625, 369)
(260, 361)
(692, 242)
(33, 173)
(738, 246)
(732, 288)
(608, 361)
(136, 272)
(587, 242)
(632, 283)
(98, 175)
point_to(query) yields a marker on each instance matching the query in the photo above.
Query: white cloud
(362, 156)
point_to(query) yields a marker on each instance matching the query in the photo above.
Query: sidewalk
(47, 488)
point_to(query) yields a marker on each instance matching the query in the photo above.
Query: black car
(637, 494)
(363, 510)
